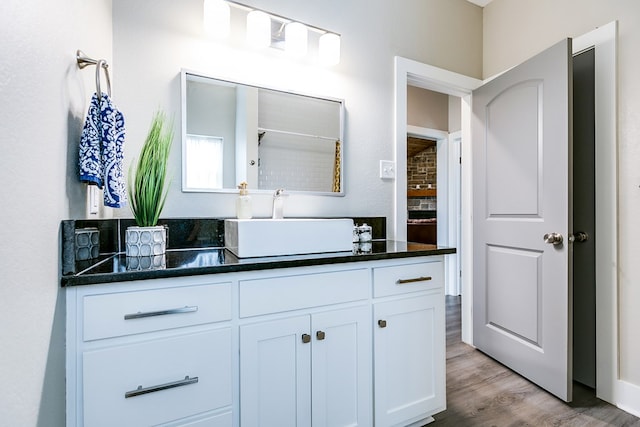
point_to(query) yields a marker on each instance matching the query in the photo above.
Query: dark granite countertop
(111, 268)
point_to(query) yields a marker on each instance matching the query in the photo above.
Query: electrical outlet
(387, 169)
(92, 199)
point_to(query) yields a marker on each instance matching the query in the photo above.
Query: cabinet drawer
(224, 419)
(113, 378)
(126, 313)
(400, 279)
(284, 293)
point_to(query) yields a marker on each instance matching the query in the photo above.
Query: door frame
(412, 73)
(455, 212)
(609, 387)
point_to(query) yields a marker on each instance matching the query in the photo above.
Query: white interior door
(521, 142)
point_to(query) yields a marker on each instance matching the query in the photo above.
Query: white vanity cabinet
(309, 368)
(409, 343)
(149, 353)
(356, 343)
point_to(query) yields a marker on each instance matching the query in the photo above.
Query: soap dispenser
(243, 204)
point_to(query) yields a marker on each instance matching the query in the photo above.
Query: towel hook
(84, 61)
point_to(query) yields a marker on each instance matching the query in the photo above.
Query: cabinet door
(341, 368)
(275, 373)
(409, 354)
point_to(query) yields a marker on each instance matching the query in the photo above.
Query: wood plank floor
(482, 392)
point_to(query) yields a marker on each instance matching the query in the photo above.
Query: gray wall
(427, 109)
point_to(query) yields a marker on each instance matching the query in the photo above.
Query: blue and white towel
(101, 151)
(90, 161)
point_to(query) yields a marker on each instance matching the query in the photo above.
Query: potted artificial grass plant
(147, 187)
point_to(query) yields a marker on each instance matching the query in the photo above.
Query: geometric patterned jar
(146, 241)
(87, 243)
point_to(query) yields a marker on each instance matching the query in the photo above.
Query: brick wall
(422, 171)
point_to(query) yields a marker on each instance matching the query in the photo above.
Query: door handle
(415, 279)
(553, 238)
(140, 315)
(578, 237)
(145, 390)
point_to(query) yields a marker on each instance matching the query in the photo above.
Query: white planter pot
(145, 241)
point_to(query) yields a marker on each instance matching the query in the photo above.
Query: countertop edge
(261, 264)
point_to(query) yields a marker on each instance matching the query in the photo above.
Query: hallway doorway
(433, 175)
(434, 213)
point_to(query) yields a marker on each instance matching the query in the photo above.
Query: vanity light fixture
(258, 29)
(265, 29)
(217, 18)
(329, 49)
(296, 39)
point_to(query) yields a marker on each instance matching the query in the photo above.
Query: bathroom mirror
(234, 132)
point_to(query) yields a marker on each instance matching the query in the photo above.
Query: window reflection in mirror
(204, 154)
(268, 138)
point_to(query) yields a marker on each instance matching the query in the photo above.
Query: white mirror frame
(183, 94)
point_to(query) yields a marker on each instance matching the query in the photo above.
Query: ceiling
(481, 3)
(417, 145)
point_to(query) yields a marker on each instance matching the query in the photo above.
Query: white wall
(44, 99)
(151, 46)
(512, 33)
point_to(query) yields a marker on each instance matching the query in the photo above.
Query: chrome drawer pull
(140, 315)
(139, 391)
(415, 279)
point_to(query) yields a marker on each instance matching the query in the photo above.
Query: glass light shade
(296, 36)
(216, 18)
(258, 29)
(329, 49)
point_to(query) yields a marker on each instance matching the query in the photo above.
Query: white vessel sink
(290, 236)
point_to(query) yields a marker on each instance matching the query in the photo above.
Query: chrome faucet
(278, 203)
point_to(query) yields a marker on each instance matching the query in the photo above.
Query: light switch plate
(387, 169)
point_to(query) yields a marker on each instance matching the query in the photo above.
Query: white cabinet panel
(113, 376)
(341, 368)
(307, 370)
(224, 419)
(298, 291)
(125, 313)
(409, 352)
(403, 278)
(275, 386)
